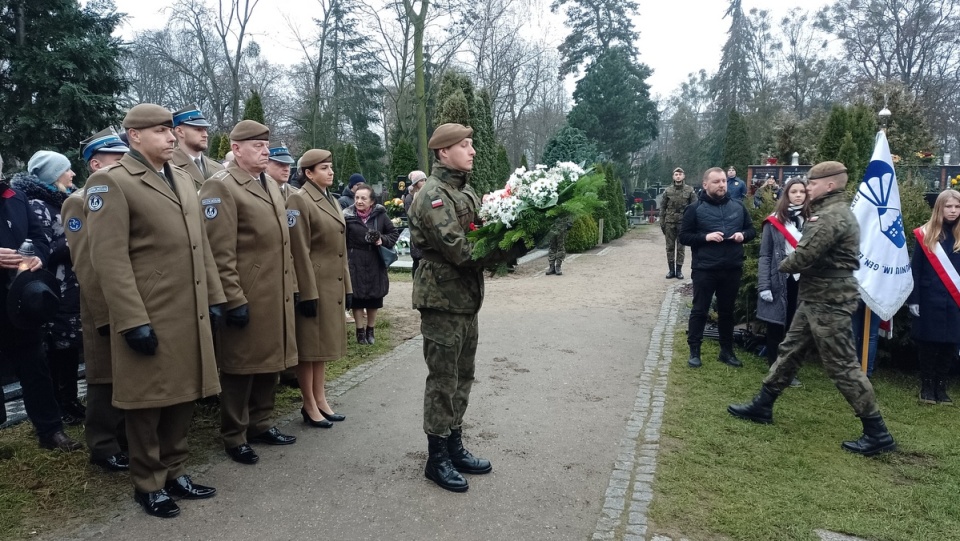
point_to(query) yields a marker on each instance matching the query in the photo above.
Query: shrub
(583, 235)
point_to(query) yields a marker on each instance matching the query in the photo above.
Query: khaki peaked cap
(250, 130)
(826, 169)
(147, 115)
(447, 135)
(313, 157)
(678, 170)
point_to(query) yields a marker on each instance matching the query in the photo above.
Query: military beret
(447, 135)
(280, 153)
(250, 130)
(147, 115)
(103, 141)
(313, 157)
(190, 116)
(678, 170)
(826, 169)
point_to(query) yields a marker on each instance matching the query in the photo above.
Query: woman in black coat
(936, 313)
(368, 228)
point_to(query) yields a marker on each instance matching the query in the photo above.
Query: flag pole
(865, 350)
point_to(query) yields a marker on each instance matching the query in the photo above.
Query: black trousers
(64, 364)
(776, 333)
(936, 359)
(724, 283)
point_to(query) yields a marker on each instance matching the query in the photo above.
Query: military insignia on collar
(95, 202)
(210, 212)
(292, 217)
(814, 218)
(74, 224)
(436, 203)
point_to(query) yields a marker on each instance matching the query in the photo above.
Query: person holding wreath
(935, 300)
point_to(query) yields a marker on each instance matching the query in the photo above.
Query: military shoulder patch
(94, 201)
(292, 217)
(210, 212)
(74, 224)
(436, 203)
(97, 189)
(211, 201)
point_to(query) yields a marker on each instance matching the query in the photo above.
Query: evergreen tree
(523, 161)
(612, 105)
(60, 75)
(403, 159)
(736, 148)
(455, 101)
(569, 145)
(596, 26)
(731, 85)
(213, 146)
(849, 154)
(484, 177)
(833, 134)
(253, 108)
(503, 169)
(224, 147)
(347, 164)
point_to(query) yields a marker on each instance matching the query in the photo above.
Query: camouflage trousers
(450, 351)
(824, 329)
(671, 232)
(558, 246)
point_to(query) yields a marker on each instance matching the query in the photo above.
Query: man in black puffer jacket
(715, 228)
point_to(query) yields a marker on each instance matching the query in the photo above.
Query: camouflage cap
(447, 135)
(678, 170)
(826, 169)
(313, 157)
(147, 115)
(250, 130)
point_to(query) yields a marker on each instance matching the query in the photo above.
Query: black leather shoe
(322, 423)
(183, 487)
(273, 437)
(157, 503)
(60, 441)
(117, 462)
(243, 454)
(335, 417)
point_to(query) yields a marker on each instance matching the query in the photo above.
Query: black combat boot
(758, 411)
(552, 269)
(928, 391)
(728, 357)
(875, 439)
(679, 275)
(694, 360)
(461, 459)
(942, 397)
(439, 468)
(559, 272)
(672, 273)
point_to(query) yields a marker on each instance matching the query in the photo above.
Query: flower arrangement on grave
(954, 181)
(637, 206)
(394, 207)
(526, 208)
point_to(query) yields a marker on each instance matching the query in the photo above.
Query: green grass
(722, 478)
(45, 491)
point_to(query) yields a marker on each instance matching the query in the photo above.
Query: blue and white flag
(884, 276)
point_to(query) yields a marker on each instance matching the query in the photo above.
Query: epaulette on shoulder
(219, 175)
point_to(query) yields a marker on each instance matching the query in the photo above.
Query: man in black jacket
(715, 228)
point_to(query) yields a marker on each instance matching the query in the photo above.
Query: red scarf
(364, 216)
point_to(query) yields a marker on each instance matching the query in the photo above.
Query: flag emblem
(876, 188)
(436, 203)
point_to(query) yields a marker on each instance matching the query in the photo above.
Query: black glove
(216, 315)
(372, 236)
(238, 317)
(104, 331)
(349, 301)
(142, 339)
(307, 308)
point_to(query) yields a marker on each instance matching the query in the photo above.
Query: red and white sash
(941, 265)
(783, 230)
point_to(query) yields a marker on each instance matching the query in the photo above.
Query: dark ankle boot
(875, 439)
(942, 397)
(439, 468)
(728, 357)
(461, 459)
(928, 391)
(694, 360)
(361, 336)
(758, 411)
(559, 272)
(552, 269)
(370, 339)
(672, 273)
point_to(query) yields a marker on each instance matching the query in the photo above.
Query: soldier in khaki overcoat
(190, 128)
(103, 426)
(246, 221)
(149, 250)
(318, 237)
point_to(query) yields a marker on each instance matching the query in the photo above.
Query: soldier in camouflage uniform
(826, 257)
(448, 292)
(558, 244)
(675, 199)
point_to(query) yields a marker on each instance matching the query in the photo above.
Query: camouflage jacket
(448, 278)
(828, 253)
(674, 201)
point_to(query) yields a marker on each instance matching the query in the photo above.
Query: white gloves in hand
(766, 295)
(914, 309)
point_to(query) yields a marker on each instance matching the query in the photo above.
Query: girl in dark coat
(47, 184)
(778, 290)
(368, 228)
(936, 312)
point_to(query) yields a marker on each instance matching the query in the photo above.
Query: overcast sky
(677, 37)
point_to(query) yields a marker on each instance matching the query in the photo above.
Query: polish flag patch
(436, 203)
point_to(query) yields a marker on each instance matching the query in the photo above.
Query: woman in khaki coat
(318, 239)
